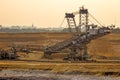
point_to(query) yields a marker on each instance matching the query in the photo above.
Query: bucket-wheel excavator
(83, 34)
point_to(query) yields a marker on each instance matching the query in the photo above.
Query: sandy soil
(107, 46)
(69, 68)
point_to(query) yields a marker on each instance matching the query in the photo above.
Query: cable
(91, 21)
(95, 19)
(62, 22)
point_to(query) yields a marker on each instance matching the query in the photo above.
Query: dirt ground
(107, 46)
(41, 75)
(97, 69)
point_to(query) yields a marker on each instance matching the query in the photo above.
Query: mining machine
(10, 52)
(77, 44)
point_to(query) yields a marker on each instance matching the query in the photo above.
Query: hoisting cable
(95, 19)
(62, 22)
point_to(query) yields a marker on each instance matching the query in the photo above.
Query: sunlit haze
(50, 13)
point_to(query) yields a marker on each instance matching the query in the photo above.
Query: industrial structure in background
(82, 35)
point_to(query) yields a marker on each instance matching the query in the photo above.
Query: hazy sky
(45, 13)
